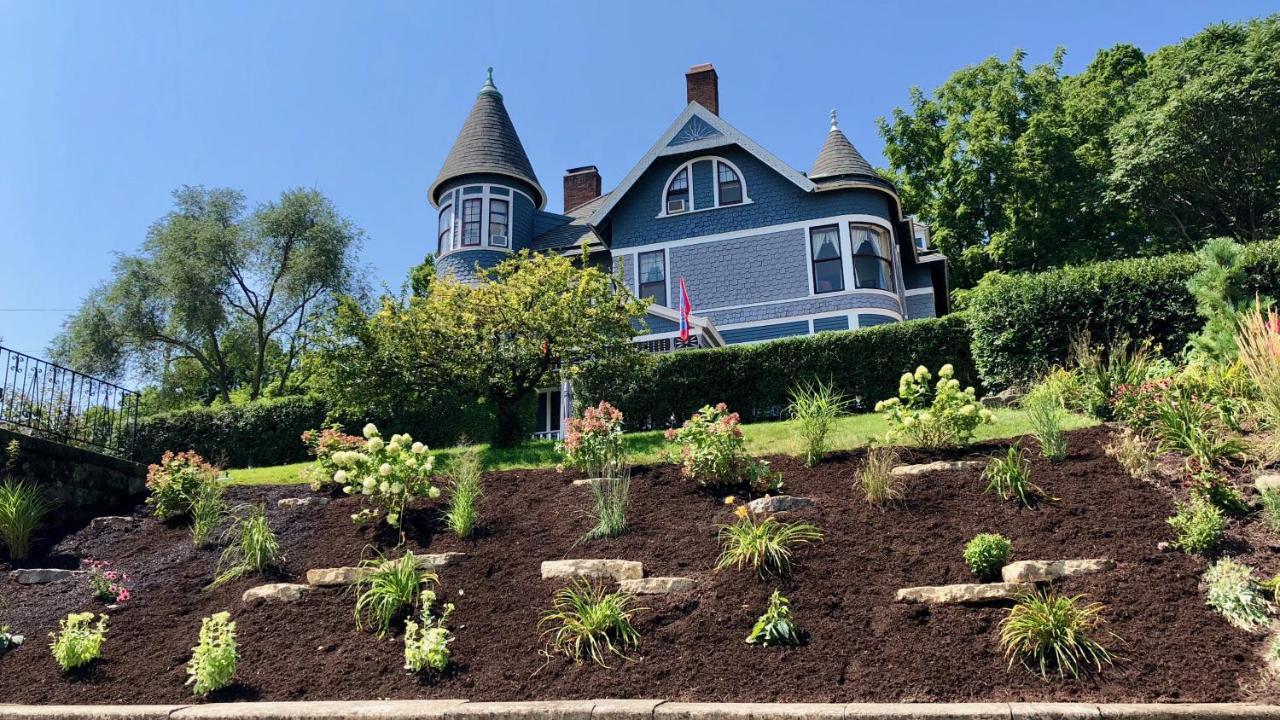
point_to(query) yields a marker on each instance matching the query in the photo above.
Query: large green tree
(218, 291)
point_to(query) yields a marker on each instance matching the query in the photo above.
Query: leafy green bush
(78, 640)
(253, 434)
(387, 588)
(588, 622)
(713, 451)
(1234, 594)
(756, 380)
(815, 406)
(765, 544)
(1046, 412)
(1022, 324)
(23, 507)
(1047, 631)
(775, 628)
(1010, 477)
(213, 659)
(174, 483)
(254, 551)
(426, 640)
(593, 442)
(986, 553)
(879, 484)
(934, 415)
(1199, 525)
(462, 514)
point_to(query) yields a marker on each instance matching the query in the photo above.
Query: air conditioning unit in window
(676, 206)
(499, 240)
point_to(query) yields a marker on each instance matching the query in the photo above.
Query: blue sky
(105, 108)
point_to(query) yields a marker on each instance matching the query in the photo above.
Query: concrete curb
(610, 709)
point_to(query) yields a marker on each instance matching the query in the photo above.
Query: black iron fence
(48, 400)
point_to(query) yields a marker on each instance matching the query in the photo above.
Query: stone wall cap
(88, 712)
(318, 710)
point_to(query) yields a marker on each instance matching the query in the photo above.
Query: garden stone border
(619, 709)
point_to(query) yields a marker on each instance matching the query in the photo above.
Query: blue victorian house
(766, 251)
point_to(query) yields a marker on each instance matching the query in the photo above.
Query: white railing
(547, 435)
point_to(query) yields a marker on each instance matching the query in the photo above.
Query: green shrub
(934, 415)
(1010, 477)
(775, 628)
(386, 474)
(1046, 412)
(986, 553)
(254, 551)
(79, 640)
(879, 485)
(610, 498)
(815, 406)
(590, 623)
(1047, 631)
(23, 507)
(1234, 594)
(462, 514)
(756, 380)
(426, 640)
(1022, 324)
(213, 659)
(593, 442)
(765, 545)
(388, 588)
(713, 451)
(1199, 525)
(174, 483)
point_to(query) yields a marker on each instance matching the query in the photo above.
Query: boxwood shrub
(1022, 324)
(660, 390)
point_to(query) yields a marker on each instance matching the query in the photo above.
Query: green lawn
(770, 438)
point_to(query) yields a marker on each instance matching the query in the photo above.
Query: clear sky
(106, 107)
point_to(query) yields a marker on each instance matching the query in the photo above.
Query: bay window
(872, 257)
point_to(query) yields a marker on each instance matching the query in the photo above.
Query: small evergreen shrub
(1046, 631)
(462, 514)
(1199, 525)
(174, 483)
(23, 507)
(775, 628)
(879, 485)
(986, 553)
(213, 659)
(1234, 594)
(426, 640)
(934, 415)
(256, 550)
(79, 640)
(388, 589)
(815, 407)
(593, 442)
(763, 544)
(1010, 477)
(586, 622)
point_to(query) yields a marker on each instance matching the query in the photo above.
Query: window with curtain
(445, 230)
(653, 277)
(498, 222)
(730, 184)
(828, 268)
(471, 221)
(678, 192)
(872, 257)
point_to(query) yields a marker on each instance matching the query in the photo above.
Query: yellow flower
(730, 500)
(742, 511)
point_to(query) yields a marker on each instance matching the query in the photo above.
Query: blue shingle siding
(917, 277)
(521, 222)
(757, 268)
(840, 322)
(660, 325)
(921, 306)
(461, 263)
(774, 200)
(765, 332)
(809, 306)
(703, 192)
(868, 320)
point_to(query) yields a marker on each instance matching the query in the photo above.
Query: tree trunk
(509, 425)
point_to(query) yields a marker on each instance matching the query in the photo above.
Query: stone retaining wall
(634, 710)
(83, 483)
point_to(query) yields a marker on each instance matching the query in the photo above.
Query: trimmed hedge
(754, 380)
(254, 434)
(1022, 324)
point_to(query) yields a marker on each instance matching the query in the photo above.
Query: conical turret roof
(839, 158)
(488, 143)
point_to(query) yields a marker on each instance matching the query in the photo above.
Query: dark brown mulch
(862, 646)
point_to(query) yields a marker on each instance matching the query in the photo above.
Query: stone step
(330, 577)
(1025, 571)
(779, 503)
(938, 466)
(276, 592)
(42, 576)
(297, 502)
(964, 593)
(657, 585)
(1268, 481)
(110, 522)
(593, 568)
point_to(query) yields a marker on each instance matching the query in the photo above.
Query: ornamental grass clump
(986, 553)
(23, 507)
(1105, 369)
(1133, 453)
(462, 513)
(815, 407)
(1046, 631)
(79, 640)
(386, 474)
(1186, 424)
(1010, 477)
(588, 623)
(762, 543)
(1046, 413)
(208, 513)
(213, 659)
(388, 589)
(174, 483)
(426, 640)
(1271, 508)
(1258, 340)
(255, 550)
(775, 628)
(1234, 594)
(934, 415)
(879, 485)
(713, 452)
(1199, 525)
(610, 498)
(593, 442)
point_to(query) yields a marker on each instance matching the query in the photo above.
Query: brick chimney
(581, 186)
(703, 86)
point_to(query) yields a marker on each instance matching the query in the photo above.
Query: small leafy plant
(1010, 477)
(255, 551)
(387, 474)
(426, 641)
(762, 543)
(1133, 453)
(389, 588)
(79, 640)
(23, 506)
(175, 481)
(1046, 412)
(713, 451)
(593, 442)
(1234, 594)
(462, 513)
(775, 627)
(1199, 525)
(986, 553)
(815, 408)
(213, 659)
(610, 498)
(107, 585)
(587, 622)
(1188, 425)
(934, 415)
(8, 639)
(1046, 631)
(879, 485)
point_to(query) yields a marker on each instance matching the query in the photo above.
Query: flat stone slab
(113, 522)
(42, 576)
(613, 569)
(297, 502)
(779, 503)
(87, 712)
(749, 711)
(964, 593)
(1024, 571)
(277, 592)
(318, 710)
(938, 466)
(332, 577)
(1269, 481)
(657, 585)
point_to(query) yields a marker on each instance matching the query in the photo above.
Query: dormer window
(499, 221)
(678, 192)
(728, 184)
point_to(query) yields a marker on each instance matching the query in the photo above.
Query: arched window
(678, 192)
(445, 230)
(872, 257)
(728, 183)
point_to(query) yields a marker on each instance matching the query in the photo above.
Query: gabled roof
(488, 143)
(687, 135)
(839, 158)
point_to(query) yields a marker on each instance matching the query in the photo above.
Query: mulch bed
(862, 646)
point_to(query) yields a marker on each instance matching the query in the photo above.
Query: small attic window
(678, 192)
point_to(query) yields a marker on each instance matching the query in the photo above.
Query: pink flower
(122, 595)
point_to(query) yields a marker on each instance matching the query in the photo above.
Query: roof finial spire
(834, 125)
(489, 88)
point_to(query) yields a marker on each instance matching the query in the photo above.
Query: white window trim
(666, 270)
(715, 187)
(846, 264)
(446, 247)
(894, 265)
(485, 195)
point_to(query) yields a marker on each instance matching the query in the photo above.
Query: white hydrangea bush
(934, 414)
(386, 473)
